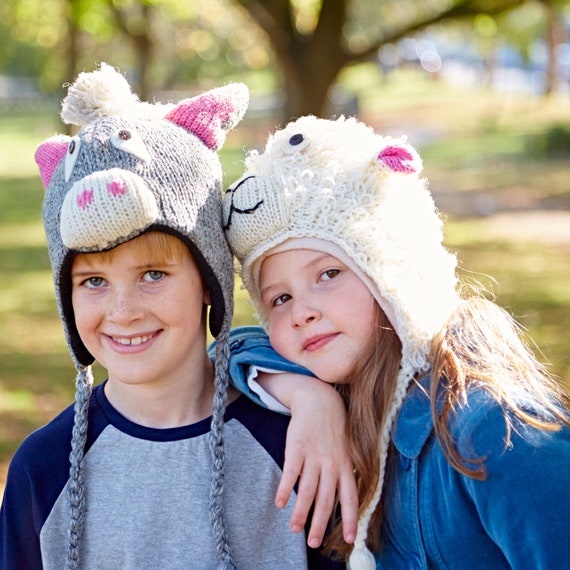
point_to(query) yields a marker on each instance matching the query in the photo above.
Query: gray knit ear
(76, 487)
(221, 382)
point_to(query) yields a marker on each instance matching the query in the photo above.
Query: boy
(133, 476)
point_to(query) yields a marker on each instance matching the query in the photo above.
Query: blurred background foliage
(481, 87)
(298, 47)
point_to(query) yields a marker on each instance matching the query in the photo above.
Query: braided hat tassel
(76, 486)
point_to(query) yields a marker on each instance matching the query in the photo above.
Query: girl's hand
(316, 454)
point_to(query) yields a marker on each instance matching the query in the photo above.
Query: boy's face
(141, 313)
(320, 314)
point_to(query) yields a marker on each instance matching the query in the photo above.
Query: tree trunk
(555, 35)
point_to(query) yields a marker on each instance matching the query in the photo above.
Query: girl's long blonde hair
(481, 345)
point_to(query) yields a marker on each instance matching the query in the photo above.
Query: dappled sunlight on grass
(29, 292)
(23, 234)
(243, 312)
(527, 277)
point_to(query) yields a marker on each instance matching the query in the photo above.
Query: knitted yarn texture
(337, 186)
(136, 167)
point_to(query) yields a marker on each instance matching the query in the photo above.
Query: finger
(323, 507)
(348, 497)
(306, 491)
(292, 468)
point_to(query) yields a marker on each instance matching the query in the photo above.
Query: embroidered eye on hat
(337, 186)
(136, 167)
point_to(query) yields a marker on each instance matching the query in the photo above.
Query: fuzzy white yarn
(104, 93)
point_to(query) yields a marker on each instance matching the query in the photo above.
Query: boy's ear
(207, 299)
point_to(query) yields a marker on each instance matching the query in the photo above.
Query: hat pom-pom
(361, 558)
(97, 94)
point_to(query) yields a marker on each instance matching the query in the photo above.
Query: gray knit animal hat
(338, 187)
(136, 167)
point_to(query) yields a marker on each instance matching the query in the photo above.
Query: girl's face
(140, 310)
(320, 314)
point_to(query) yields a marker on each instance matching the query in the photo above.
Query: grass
(472, 143)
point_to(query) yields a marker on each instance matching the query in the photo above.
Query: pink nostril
(84, 199)
(116, 187)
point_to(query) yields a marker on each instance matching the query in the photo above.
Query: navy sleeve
(36, 477)
(19, 533)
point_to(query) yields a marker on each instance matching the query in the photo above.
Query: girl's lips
(318, 341)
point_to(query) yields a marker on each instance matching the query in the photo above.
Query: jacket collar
(414, 423)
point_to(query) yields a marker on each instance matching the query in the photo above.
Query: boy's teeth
(132, 341)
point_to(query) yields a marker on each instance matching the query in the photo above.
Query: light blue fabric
(249, 346)
(518, 517)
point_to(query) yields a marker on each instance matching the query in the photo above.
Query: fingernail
(279, 504)
(314, 542)
(296, 528)
(350, 538)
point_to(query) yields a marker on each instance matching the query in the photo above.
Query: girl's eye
(329, 274)
(154, 275)
(280, 300)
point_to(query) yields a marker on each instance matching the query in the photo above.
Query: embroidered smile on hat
(337, 186)
(132, 168)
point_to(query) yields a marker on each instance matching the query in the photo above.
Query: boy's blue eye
(154, 275)
(95, 282)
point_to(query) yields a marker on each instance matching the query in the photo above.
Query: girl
(460, 438)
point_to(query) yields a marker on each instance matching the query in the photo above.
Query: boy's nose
(124, 307)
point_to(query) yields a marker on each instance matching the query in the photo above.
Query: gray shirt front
(148, 492)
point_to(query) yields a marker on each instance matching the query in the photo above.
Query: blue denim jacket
(518, 517)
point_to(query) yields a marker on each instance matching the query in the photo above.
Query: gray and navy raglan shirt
(148, 495)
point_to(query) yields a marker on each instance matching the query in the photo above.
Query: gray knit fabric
(132, 168)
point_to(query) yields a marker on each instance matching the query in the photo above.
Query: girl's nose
(303, 314)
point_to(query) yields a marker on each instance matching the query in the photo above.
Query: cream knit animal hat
(136, 167)
(338, 187)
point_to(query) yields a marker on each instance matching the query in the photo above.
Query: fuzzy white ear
(103, 93)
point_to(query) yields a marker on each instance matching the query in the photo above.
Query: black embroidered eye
(73, 151)
(132, 143)
(295, 144)
(296, 139)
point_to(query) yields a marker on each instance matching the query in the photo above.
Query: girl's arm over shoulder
(316, 452)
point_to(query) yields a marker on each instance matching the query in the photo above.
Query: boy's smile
(321, 315)
(141, 315)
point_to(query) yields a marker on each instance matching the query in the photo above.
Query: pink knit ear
(401, 159)
(49, 154)
(211, 115)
